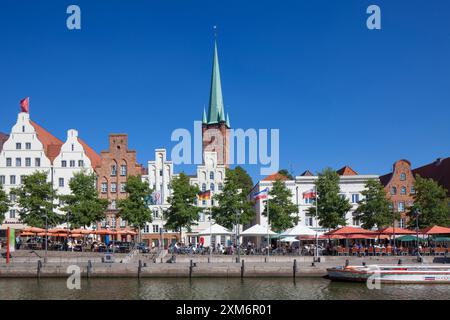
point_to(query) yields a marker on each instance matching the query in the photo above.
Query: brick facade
(216, 137)
(399, 187)
(115, 166)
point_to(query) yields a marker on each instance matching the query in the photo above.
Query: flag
(261, 194)
(24, 105)
(205, 195)
(309, 194)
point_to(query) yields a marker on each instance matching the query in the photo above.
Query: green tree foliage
(281, 208)
(36, 199)
(134, 209)
(331, 208)
(374, 209)
(244, 180)
(432, 202)
(4, 203)
(83, 205)
(182, 213)
(233, 199)
(286, 173)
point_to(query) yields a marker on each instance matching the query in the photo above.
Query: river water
(217, 289)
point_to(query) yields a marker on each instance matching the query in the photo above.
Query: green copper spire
(228, 120)
(216, 111)
(204, 117)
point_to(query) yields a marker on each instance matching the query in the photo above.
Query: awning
(257, 230)
(215, 229)
(299, 231)
(435, 230)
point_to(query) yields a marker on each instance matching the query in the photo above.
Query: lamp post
(417, 213)
(46, 232)
(238, 215)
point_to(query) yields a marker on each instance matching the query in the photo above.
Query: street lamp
(210, 236)
(417, 213)
(46, 232)
(238, 215)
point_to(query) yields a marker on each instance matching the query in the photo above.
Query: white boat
(392, 273)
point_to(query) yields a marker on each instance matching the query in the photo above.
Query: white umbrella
(289, 239)
(257, 230)
(299, 231)
(215, 229)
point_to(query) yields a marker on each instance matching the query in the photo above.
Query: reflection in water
(217, 289)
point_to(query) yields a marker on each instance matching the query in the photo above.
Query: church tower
(215, 124)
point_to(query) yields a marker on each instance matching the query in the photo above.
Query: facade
(438, 170)
(399, 187)
(159, 176)
(3, 138)
(116, 164)
(216, 125)
(210, 177)
(351, 185)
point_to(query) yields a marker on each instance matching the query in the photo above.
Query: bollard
(89, 268)
(364, 264)
(191, 266)
(347, 263)
(400, 262)
(318, 259)
(39, 267)
(242, 269)
(265, 259)
(139, 269)
(295, 267)
(313, 264)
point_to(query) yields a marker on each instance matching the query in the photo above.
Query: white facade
(351, 187)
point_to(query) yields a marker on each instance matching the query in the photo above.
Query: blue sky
(339, 93)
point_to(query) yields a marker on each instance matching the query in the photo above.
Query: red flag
(24, 105)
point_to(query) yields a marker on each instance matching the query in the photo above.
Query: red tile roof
(3, 138)
(439, 171)
(349, 230)
(276, 176)
(435, 230)
(52, 145)
(91, 154)
(346, 171)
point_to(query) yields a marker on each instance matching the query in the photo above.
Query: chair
(355, 251)
(377, 251)
(383, 251)
(371, 251)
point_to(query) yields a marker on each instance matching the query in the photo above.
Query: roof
(215, 229)
(91, 154)
(346, 171)
(216, 112)
(349, 230)
(439, 171)
(391, 230)
(257, 230)
(385, 179)
(276, 176)
(3, 138)
(52, 145)
(306, 173)
(435, 230)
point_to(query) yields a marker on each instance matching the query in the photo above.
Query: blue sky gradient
(339, 93)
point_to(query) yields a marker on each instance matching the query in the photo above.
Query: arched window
(402, 177)
(123, 168)
(114, 169)
(403, 190)
(211, 175)
(203, 187)
(211, 187)
(220, 186)
(393, 190)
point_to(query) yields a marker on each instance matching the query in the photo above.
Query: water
(217, 289)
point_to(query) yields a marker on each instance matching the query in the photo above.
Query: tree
(134, 209)
(432, 203)
(286, 173)
(375, 209)
(244, 180)
(182, 213)
(36, 199)
(280, 208)
(83, 205)
(233, 199)
(331, 207)
(4, 203)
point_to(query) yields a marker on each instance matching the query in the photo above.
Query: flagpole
(317, 239)
(268, 239)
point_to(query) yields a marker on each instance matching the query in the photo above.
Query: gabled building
(438, 170)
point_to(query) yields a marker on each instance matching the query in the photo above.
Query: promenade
(31, 265)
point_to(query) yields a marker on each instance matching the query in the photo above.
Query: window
(201, 217)
(401, 207)
(122, 187)
(12, 197)
(203, 187)
(37, 162)
(12, 179)
(211, 175)
(211, 187)
(402, 223)
(155, 228)
(103, 223)
(113, 222)
(155, 214)
(146, 228)
(355, 221)
(160, 173)
(8, 162)
(220, 187)
(12, 214)
(113, 204)
(413, 191)
(61, 182)
(81, 163)
(104, 187)
(309, 220)
(402, 177)
(18, 146)
(2, 179)
(23, 128)
(113, 170)
(355, 198)
(123, 170)
(123, 223)
(393, 190)
(28, 145)
(212, 202)
(113, 187)
(73, 147)
(342, 195)
(64, 163)
(27, 162)
(18, 162)
(403, 190)
(22, 179)
(72, 163)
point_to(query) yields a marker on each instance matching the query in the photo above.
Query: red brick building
(438, 170)
(399, 187)
(116, 164)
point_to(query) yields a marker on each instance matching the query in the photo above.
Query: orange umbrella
(33, 230)
(82, 231)
(435, 230)
(27, 234)
(104, 232)
(57, 230)
(76, 235)
(349, 230)
(391, 231)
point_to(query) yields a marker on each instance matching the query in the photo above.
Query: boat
(423, 273)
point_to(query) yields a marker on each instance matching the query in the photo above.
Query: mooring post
(191, 266)
(208, 260)
(400, 262)
(347, 263)
(39, 267)
(295, 267)
(139, 268)
(364, 264)
(89, 268)
(242, 269)
(265, 259)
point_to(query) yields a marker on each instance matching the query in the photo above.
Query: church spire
(216, 112)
